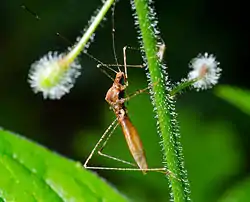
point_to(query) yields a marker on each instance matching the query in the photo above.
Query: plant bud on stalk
(205, 71)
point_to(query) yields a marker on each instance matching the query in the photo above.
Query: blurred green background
(215, 135)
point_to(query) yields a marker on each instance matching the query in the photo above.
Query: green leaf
(29, 172)
(236, 96)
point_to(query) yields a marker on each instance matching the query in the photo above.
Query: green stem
(181, 86)
(87, 35)
(164, 105)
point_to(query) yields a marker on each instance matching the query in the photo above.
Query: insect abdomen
(134, 142)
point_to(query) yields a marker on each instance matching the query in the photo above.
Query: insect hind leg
(109, 156)
(113, 124)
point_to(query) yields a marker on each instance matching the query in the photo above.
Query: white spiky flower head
(205, 73)
(53, 75)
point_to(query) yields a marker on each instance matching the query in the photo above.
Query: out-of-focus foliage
(29, 172)
(239, 192)
(238, 97)
(214, 155)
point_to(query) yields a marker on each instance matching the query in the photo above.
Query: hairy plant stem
(88, 33)
(181, 86)
(163, 102)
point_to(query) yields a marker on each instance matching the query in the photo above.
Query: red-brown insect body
(115, 97)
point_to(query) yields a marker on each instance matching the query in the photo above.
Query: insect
(116, 99)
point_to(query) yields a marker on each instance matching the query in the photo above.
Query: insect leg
(159, 170)
(113, 126)
(99, 142)
(136, 93)
(109, 156)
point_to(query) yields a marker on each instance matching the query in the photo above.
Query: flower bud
(53, 75)
(206, 72)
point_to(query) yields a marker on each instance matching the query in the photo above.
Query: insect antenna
(113, 35)
(101, 64)
(30, 11)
